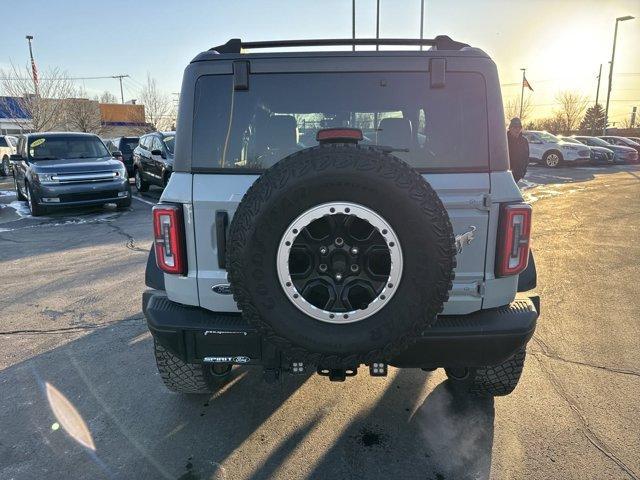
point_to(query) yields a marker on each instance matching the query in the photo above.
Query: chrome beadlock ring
(354, 211)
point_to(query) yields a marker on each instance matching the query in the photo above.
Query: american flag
(34, 70)
(525, 83)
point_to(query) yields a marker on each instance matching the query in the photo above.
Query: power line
(57, 78)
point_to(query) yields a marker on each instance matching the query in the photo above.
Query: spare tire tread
(323, 157)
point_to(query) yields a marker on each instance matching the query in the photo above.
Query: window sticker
(37, 142)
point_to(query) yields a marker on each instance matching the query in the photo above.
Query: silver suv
(326, 214)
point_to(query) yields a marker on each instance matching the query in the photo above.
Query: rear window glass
(128, 144)
(3, 142)
(441, 128)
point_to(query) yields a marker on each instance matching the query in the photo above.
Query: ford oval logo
(222, 289)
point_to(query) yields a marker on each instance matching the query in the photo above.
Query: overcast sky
(562, 43)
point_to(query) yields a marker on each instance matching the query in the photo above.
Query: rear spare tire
(341, 255)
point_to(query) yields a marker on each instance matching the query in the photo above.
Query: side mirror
(156, 152)
(15, 157)
(117, 154)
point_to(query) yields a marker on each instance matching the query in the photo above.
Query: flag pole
(522, 91)
(33, 66)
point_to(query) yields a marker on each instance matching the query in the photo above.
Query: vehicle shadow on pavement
(95, 407)
(444, 437)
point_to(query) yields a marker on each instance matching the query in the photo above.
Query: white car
(7, 148)
(553, 151)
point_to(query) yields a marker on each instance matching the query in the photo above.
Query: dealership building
(111, 119)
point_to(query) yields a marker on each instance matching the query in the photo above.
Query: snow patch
(21, 208)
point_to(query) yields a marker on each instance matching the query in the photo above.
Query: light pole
(421, 21)
(353, 24)
(377, 23)
(34, 71)
(613, 55)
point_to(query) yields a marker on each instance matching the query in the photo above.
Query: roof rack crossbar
(441, 42)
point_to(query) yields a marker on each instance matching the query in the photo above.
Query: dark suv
(125, 146)
(153, 160)
(67, 170)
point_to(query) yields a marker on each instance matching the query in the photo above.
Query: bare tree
(157, 106)
(41, 112)
(571, 110)
(512, 109)
(82, 114)
(554, 124)
(107, 97)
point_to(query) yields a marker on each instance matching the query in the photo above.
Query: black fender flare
(528, 279)
(153, 276)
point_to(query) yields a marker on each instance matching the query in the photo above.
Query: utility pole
(120, 77)
(633, 117)
(613, 55)
(522, 90)
(421, 21)
(353, 24)
(598, 89)
(377, 23)
(34, 70)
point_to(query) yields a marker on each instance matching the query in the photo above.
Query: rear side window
(432, 129)
(145, 142)
(3, 142)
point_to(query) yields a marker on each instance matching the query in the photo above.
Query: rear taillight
(514, 231)
(168, 234)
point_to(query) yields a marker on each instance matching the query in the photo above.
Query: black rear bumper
(487, 337)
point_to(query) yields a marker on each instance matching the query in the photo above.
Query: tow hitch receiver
(338, 374)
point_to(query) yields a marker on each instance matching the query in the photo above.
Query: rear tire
(553, 159)
(141, 184)
(494, 381)
(182, 377)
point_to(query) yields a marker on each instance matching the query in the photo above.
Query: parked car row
(149, 159)
(554, 151)
(66, 169)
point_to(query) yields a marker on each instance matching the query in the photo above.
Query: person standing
(518, 149)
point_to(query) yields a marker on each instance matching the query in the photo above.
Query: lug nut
(338, 276)
(323, 267)
(339, 241)
(323, 250)
(354, 268)
(354, 251)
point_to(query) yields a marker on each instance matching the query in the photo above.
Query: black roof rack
(441, 42)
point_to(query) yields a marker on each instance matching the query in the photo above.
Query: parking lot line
(143, 200)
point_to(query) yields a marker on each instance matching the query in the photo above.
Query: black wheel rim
(339, 263)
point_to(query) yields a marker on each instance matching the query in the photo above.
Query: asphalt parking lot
(80, 396)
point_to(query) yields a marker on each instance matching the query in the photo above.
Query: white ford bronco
(341, 210)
